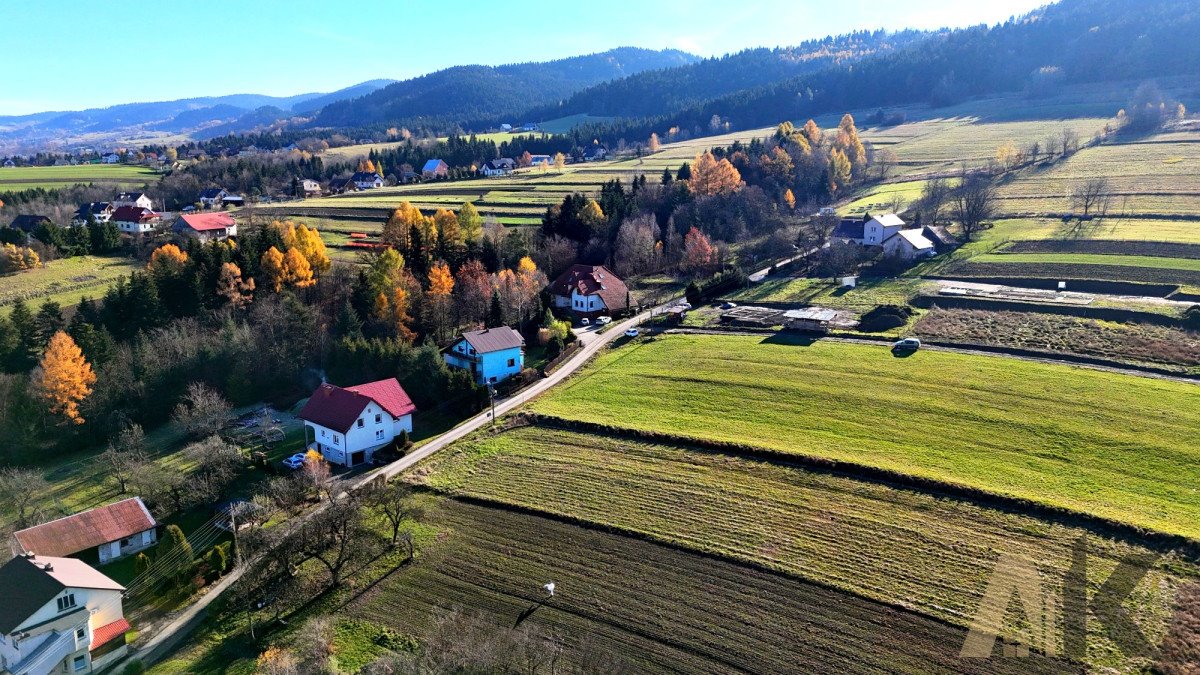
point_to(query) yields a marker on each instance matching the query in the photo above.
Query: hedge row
(1152, 539)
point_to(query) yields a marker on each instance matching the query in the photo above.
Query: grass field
(865, 295)
(1112, 445)
(834, 530)
(65, 281)
(49, 177)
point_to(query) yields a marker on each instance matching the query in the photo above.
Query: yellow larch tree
(470, 223)
(712, 177)
(167, 258)
(64, 377)
(233, 288)
(273, 270)
(298, 272)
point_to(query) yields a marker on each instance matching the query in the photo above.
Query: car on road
(294, 462)
(632, 332)
(603, 321)
(585, 323)
(906, 345)
(729, 305)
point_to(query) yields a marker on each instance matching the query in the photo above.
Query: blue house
(492, 355)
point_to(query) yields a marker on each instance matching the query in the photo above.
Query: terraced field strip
(805, 291)
(1095, 442)
(1109, 269)
(1176, 263)
(899, 547)
(1161, 176)
(1154, 249)
(655, 608)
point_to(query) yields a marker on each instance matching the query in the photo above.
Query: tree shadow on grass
(529, 612)
(790, 339)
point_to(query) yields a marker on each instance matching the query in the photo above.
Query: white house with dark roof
(501, 166)
(138, 199)
(887, 231)
(348, 424)
(367, 180)
(590, 291)
(58, 615)
(492, 355)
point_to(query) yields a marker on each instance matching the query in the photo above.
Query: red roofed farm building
(207, 226)
(348, 424)
(114, 531)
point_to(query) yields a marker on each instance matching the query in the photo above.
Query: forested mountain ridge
(1073, 41)
(463, 94)
(658, 92)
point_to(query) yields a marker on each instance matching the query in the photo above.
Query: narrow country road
(161, 643)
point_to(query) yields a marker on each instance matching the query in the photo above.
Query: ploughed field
(647, 607)
(895, 547)
(1095, 442)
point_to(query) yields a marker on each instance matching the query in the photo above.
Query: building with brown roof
(58, 615)
(492, 355)
(114, 531)
(589, 291)
(348, 424)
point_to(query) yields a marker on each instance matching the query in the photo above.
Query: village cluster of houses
(59, 613)
(348, 425)
(890, 234)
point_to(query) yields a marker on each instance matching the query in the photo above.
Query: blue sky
(74, 54)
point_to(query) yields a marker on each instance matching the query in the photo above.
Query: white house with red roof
(207, 226)
(589, 291)
(348, 424)
(58, 615)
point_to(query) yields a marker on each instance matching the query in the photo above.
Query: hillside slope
(462, 94)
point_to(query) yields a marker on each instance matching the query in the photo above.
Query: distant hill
(1072, 41)
(234, 112)
(657, 92)
(464, 94)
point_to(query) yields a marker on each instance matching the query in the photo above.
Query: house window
(360, 423)
(379, 434)
(337, 440)
(512, 362)
(322, 433)
(66, 602)
(125, 542)
(378, 418)
(80, 663)
(80, 633)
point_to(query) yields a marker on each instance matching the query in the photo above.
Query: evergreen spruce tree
(495, 317)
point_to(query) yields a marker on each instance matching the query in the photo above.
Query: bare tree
(1069, 141)
(23, 491)
(333, 536)
(394, 501)
(125, 455)
(217, 464)
(823, 226)
(634, 250)
(933, 200)
(974, 204)
(289, 493)
(202, 411)
(1092, 197)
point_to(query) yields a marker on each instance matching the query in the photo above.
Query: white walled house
(138, 199)
(367, 180)
(110, 532)
(887, 231)
(491, 355)
(347, 425)
(135, 219)
(909, 244)
(590, 291)
(206, 226)
(58, 615)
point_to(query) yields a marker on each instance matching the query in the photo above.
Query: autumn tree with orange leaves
(698, 253)
(237, 292)
(273, 269)
(64, 377)
(168, 260)
(711, 176)
(437, 300)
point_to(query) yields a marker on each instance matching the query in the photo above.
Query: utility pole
(492, 399)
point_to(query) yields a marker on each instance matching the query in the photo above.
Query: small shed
(809, 319)
(757, 317)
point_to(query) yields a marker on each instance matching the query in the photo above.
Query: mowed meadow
(119, 176)
(1089, 441)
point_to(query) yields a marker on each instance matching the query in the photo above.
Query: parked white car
(296, 461)
(632, 332)
(603, 321)
(907, 344)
